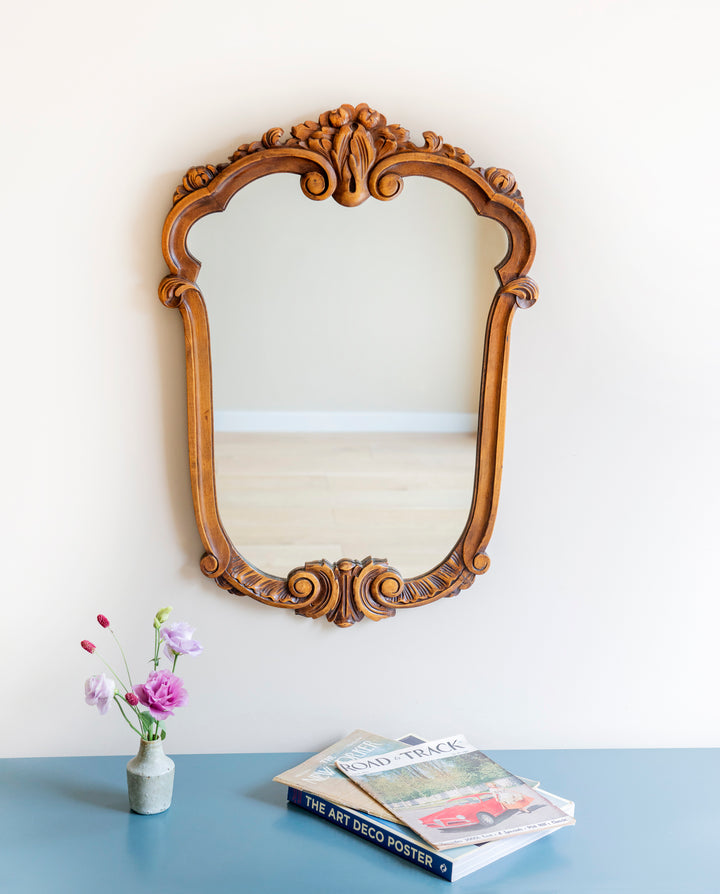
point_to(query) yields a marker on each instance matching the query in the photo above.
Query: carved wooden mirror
(351, 154)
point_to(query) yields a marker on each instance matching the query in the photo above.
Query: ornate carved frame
(351, 154)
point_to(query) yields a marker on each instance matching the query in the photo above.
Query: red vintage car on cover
(481, 809)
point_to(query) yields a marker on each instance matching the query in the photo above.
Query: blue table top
(646, 822)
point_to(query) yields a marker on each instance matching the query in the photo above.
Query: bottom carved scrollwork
(347, 591)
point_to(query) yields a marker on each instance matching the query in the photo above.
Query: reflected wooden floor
(286, 499)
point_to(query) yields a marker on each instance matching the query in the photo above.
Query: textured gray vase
(150, 776)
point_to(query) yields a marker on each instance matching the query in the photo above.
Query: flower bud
(131, 698)
(88, 646)
(162, 615)
(103, 621)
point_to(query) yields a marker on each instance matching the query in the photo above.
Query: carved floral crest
(353, 139)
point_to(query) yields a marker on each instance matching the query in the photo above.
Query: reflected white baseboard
(276, 421)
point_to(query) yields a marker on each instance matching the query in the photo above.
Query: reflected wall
(346, 356)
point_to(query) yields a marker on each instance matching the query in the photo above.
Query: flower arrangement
(151, 702)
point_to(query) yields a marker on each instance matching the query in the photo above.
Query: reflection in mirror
(346, 359)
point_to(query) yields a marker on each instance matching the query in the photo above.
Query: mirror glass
(346, 361)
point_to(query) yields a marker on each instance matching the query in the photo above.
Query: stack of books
(443, 805)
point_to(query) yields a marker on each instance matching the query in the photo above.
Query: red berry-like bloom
(88, 646)
(131, 698)
(103, 621)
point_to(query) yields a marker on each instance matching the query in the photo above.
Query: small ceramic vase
(150, 776)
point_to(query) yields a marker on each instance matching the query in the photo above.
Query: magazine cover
(319, 775)
(451, 794)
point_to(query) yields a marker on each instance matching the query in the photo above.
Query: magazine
(451, 794)
(319, 776)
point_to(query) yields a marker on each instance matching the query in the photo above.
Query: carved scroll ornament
(351, 154)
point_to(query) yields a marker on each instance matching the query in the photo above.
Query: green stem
(113, 673)
(177, 655)
(123, 656)
(119, 704)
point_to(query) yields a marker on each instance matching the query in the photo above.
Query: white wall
(597, 622)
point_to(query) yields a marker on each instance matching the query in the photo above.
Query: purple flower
(99, 690)
(178, 640)
(160, 693)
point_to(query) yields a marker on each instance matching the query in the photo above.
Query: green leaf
(147, 722)
(162, 733)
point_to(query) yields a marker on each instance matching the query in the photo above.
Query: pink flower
(88, 646)
(178, 640)
(103, 621)
(160, 693)
(131, 698)
(99, 690)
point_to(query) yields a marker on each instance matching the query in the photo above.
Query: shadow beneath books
(268, 793)
(531, 863)
(317, 833)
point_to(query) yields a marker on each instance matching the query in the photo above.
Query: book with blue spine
(452, 864)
